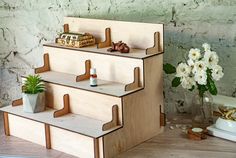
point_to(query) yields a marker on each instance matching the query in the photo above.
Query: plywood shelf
(104, 87)
(125, 109)
(134, 53)
(71, 122)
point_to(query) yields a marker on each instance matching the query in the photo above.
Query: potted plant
(199, 71)
(33, 94)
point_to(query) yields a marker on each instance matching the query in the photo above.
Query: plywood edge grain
(162, 117)
(6, 124)
(47, 136)
(96, 148)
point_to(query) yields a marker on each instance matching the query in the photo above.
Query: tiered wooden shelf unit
(125, 109)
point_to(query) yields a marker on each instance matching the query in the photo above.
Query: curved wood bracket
(115, 119)
(86, 75)
(107, 41)
(156, 48)
(66, 107)
(136, 83)
(17, 102)
(45, 67)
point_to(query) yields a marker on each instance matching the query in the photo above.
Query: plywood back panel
(110, 68)
(136, 35)
(27, 129)
(94, 105)
(72, 143)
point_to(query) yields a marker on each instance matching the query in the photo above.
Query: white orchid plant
(199, 71)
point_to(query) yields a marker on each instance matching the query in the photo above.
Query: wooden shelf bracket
(156, 48)
(17, 102)
(115, 120)
(66, 107)
(107, 41)
(45, 67)
(86, 75)
(136, 83)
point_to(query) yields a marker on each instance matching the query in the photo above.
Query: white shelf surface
(134, 53)
(104, 87)
(71, 122)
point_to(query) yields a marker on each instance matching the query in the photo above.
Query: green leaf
(211, 86)
(192, 88)
(33, 85)
(169, 69)
(209, 72)
(202, 89)
(176, 82)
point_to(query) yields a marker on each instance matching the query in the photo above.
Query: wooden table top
(173, 143)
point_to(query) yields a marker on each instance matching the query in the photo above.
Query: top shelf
(134, 53)
(134, 34)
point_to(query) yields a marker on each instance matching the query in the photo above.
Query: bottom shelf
(72, 122)
(54, 138)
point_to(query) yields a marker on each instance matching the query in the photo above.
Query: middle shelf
(72, 122)
(104, 87)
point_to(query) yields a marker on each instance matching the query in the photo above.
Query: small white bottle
(93, 77)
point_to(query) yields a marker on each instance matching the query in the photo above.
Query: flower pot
(33, 103)
(226, 125)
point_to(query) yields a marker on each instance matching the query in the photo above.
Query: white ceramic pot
(33, 103)
(226, 125)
